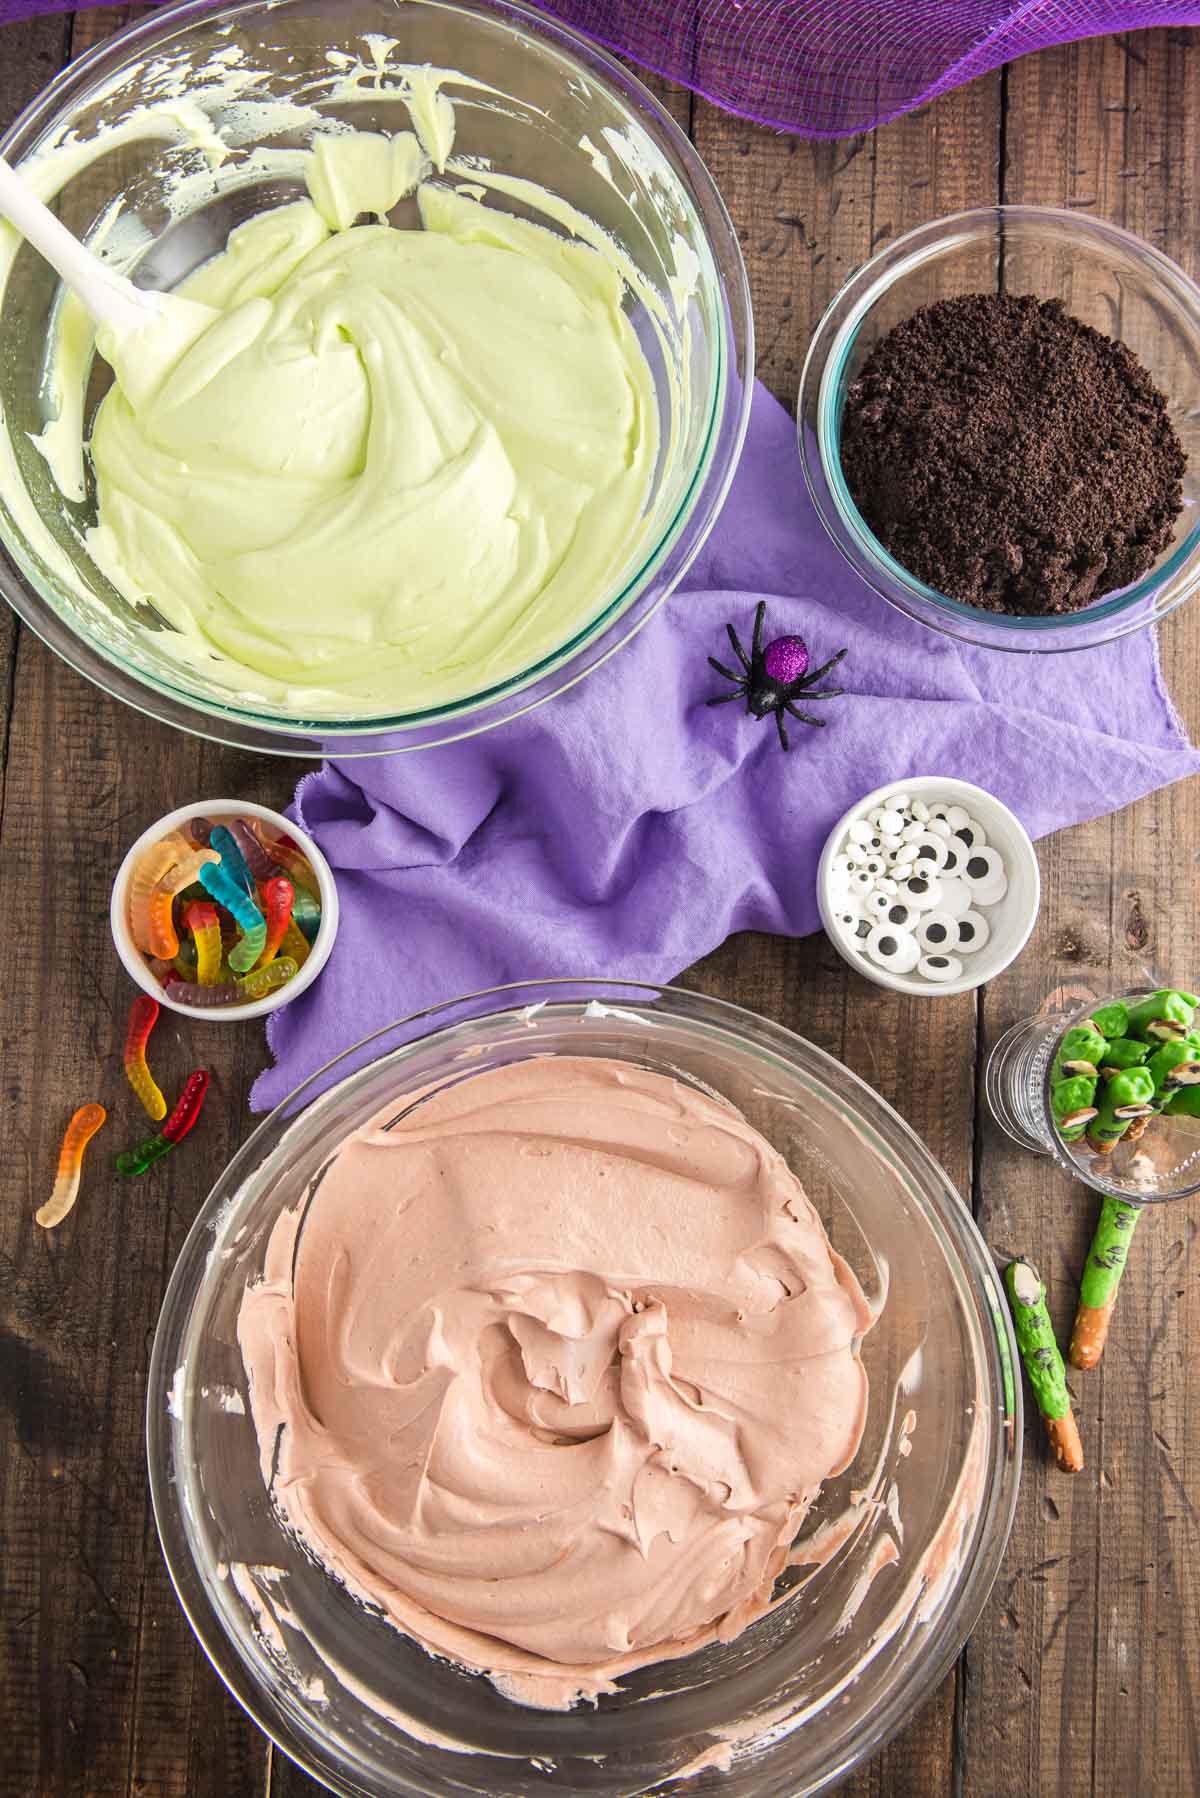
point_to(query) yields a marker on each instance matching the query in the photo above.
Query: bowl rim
(964, 791)
(615, 622)
(1001, 1395)
(829, 350)
(131, 956)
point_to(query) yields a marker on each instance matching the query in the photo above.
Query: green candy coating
(1108, 1253)
(1071, 1094)
(1124, 1052)
(1184, 1103)
(1112, 1020)
(1081, 1044)
(1035, 1339)
(1132, 1086)
(1164, 1004)
(1160, 1064)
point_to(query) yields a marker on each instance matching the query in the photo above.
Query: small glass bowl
(1162, 1164)
(1104, 276)
(541, 104)
(801, 1697)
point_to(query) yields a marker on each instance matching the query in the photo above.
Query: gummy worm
(201, 919)
(291, 859)
(277, 896)
(79, 1133)
(228, 892)
(255, 985)
(148, 870)
(223, 840)
(257, 859)
(143, 1015)
(135, 1161)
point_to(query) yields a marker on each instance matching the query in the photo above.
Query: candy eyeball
(973, 932)
(861, 881)
(953, 862)
(901, 916)
(983, 867)
(930, 849)
(939, 827)
(877, 904)
(957, 817)
(985, 876)
(894, 949)
(891, 822)
(920, 811)
(860, 831)
(922, 892)
(956, 896)
(972, 835)
(939, 968)
(938, 932)
(874, 867)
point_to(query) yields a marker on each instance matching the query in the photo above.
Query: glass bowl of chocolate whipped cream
(583, 1387)
(471, 383)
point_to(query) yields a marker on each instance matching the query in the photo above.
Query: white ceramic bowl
(1011, 920)
(220, 810)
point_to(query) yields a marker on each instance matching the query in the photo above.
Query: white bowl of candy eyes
(929, 886)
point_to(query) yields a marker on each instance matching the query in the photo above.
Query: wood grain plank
(99, 1652)
(807, 215)
(31, 53)
(1083, 1675)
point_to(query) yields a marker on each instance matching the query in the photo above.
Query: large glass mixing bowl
(908, 1539)
(545, 107)
(1104, 276)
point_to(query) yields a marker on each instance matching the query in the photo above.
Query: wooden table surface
(1082, 1674)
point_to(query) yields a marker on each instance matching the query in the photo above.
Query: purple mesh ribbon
(826, 68)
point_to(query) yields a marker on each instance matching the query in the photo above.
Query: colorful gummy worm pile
(1124, 1066)
(225, 912)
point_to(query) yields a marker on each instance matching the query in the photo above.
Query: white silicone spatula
(140, 333)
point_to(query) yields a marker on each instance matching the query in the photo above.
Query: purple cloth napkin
(626, 828)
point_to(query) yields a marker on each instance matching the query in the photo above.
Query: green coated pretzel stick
(1043, 1362)
(1101, 1279)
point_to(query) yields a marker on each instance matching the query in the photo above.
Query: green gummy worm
(1111, 1020)
(1035, 1338)
(1108, 1253)
(135, 1161)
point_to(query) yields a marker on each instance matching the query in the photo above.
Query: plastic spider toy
(775, 676)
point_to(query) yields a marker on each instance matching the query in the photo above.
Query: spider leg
(727, 672)
(782, 729)
(826, 693)
(738, 651)
(804, 717)
(760, 612)
(724, 698)
(825, 666)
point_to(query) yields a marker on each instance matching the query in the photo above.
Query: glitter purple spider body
(775, 676)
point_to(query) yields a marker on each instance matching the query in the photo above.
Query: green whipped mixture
(400, 464)
(392, 467)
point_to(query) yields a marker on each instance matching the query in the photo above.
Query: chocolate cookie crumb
(1010, 456)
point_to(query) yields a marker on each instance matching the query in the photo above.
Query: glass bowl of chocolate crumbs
(999, 423)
